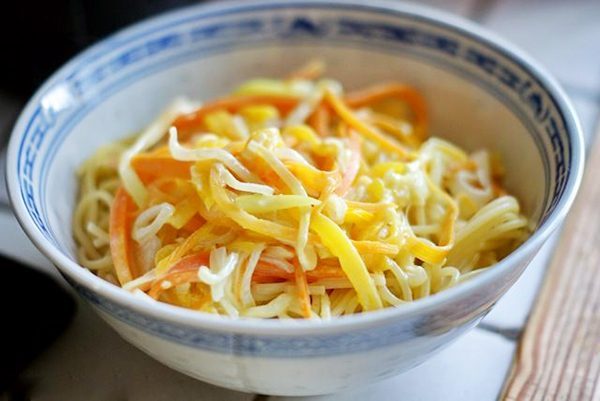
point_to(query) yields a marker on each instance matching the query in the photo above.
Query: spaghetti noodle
(293, 198)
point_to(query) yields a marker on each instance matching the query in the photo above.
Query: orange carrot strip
(267, 273)
(121, 245)
(193, 224)
(366, 130)
(320, 119)
(184, 271)
(149, 167)
(405, 93)
(302, 285)
(311, 70)
(174, 279)
(233, 104)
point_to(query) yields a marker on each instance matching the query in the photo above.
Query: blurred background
(37, 37)
(77, 350)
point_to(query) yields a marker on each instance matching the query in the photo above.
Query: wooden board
(559, 354)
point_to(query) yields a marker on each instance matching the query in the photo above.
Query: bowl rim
(185, 317)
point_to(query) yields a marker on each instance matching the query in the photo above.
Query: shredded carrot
(121, 244)
(363, 128)
(149, 167)
(299, 197)
(302, 286)
(195, 298)
(268, 273)
(184, 271)
(311, 70)
(232, 104)
(193, 225)
(323, 272)
(498, 189)
(405, 93)
(320, 119)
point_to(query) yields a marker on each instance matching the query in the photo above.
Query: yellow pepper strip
(259, 116)
(401, 129)
(368, 206)
(334, 239)
(302, 133)
(221, 123)
(376, 247)
(297, 189)
(181, 250)
(312, 179)
(364, 129)
(184, 211)
(380, 169)
(164, 253)
(246, 220)
(426, 250)
(376, 189)
(268, 203)
(354, 215)
(447, 236)
(265, 86)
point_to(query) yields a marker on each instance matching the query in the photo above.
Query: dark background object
(35, 309)
(38, 37)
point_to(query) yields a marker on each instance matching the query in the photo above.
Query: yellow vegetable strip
(368, 206)
(185, 154)
(334, 238)
(376, 247)
(303, 201)
(246, 220)
(184, 211)
(363, 128)
(380, 169)
(313, 179)
(425, 249)
(297, 189)
(265, 204)
(148, 138)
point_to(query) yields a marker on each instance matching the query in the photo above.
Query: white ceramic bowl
(482, 92)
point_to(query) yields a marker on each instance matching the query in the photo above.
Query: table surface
(565, 37)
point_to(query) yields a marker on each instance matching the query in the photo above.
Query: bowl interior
(479, 95)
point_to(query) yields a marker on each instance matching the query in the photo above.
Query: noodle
(293, 199)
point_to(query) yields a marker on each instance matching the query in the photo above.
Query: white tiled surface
(91, 362)
(565, 37)
(512, 310)
(479, 358)
(562, 35)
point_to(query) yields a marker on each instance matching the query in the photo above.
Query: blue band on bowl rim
(35, 134)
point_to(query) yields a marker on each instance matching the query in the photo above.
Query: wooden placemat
(559, 354)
